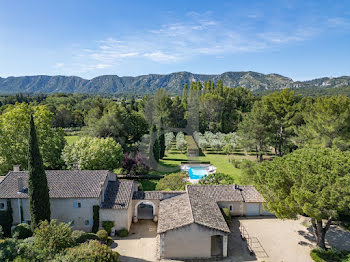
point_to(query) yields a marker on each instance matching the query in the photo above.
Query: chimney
(16, 168)
(20, 184)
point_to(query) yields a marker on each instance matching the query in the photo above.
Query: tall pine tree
(38, 190)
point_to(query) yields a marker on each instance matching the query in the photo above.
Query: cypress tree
(161, 140)
(38, 190)
(155, 142)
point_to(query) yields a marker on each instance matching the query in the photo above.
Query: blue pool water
(197, 172)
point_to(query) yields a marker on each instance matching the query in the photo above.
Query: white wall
(192, 241)
(120, 217)
(63, 210)
(237, 207)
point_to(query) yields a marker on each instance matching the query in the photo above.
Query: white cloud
(198, 35)
(58, 65)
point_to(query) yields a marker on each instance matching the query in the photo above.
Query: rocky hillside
(173, 83)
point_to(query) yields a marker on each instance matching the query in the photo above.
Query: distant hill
(173, 83)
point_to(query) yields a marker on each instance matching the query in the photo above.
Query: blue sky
(299, 39)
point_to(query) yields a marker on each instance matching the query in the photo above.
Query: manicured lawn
(71, 139)
(219, 160)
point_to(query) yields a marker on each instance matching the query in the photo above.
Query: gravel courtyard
(140, 244)
(272, 240)
(278, 240)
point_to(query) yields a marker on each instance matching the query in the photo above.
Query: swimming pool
(197, 172)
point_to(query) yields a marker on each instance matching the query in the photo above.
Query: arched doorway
(144, 210)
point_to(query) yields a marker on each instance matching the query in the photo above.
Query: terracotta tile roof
(250, 194)
(155, 195)
(199, 205)
(192, 207)
(205, 210)
(174, 212)
(219, 192)
(118, 194)
(62, 183)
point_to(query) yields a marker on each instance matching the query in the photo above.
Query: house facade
(190, 222)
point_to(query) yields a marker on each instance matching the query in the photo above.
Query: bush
(52, 238)
(134, 165)
(102, 235)
(107, 225)
(81, 236)
(87, 252)
(1, 233)
(332, 254)
(172, 182)
(22, 231)
(8, 249)
(122, 233)
(216, 179)
(109, 241)
(226, 214)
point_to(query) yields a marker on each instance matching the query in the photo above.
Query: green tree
(116, 122)
(93, 153)
(254, 130)
(282, 107)
(326, 123)
(14, 128)
(172, 182)
(154, 144)
(38, 190)
(310, 182)
(161, 136)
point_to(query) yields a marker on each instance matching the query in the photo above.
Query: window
(230, 207)
(87, 222)
(76, 204)
(2, 206)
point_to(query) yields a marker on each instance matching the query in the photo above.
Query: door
(252, 209)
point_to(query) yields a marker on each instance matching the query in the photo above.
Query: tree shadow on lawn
(175, 159)
(335, 237)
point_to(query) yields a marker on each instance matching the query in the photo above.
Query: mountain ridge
(173, 83)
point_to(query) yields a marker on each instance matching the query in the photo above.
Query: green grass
(71, 139)
(219, 160)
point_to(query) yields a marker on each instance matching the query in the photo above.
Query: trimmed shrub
(123, 233)
(22, 231)
(109, 241)
(107, 225)
(86, 237)
(102, 235)
(87, 252)
(226, 214)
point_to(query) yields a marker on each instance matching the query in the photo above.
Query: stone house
(190, 222)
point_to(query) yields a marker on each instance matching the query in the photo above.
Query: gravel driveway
(140, 245)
